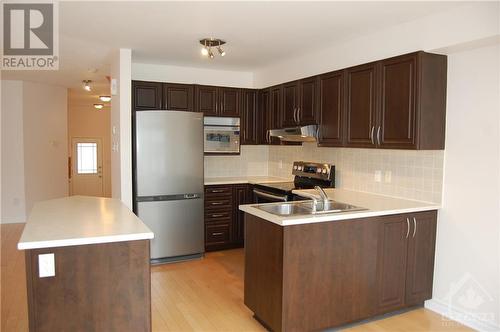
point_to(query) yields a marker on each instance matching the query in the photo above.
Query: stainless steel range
(307, 176)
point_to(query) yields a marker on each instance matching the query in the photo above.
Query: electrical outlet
(378, 176)
(388, 176)
(46, 265)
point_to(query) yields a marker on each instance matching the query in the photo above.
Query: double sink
(298, 208)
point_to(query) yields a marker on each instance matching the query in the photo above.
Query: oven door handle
(274, 197)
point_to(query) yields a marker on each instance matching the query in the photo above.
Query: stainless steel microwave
(221, 135)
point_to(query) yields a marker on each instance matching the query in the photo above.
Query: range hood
(296, 134)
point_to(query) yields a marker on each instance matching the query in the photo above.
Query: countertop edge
(84, 241)
(214, 181)
(282, 221)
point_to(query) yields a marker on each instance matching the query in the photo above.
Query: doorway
(86, 173)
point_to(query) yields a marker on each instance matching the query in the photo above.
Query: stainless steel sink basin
(308, 208)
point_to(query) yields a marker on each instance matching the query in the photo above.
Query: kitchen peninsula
(87, 266)
(309, 272)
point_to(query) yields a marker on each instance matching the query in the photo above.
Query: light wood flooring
(200, 295)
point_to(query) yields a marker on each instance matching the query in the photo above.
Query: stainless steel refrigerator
(169, 182)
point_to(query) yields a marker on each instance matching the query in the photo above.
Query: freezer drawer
(177, 225)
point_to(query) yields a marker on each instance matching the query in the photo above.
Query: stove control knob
(318, 170)
(295, 167)
(300, 168)
(325, 170)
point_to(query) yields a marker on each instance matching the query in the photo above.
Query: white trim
(444, 309)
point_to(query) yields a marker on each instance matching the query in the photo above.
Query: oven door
(267, 197)
(222, 139)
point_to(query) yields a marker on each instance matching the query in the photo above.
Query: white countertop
(243, 179)
(376, 205)
(80, 220)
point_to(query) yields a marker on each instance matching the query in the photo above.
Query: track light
(208, 44)
(105, 99)
(86, 85)
(98, 106)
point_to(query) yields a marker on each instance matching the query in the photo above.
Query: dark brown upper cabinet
(413, 102)
(229, 101)
(290, 104)
(361, 105)
(261, 118)
(146, 95)
(273, 119)
(206, 100)
(248, 116)
(307, 110)
(178, 97)
(405, 262)
(331, 109)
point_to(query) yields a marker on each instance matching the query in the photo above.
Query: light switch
(46, 265)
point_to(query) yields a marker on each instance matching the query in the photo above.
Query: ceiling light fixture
(86, 85)
(98, 106)
(105, 99)
(208, 43)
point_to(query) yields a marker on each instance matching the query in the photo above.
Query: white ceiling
(258, 33)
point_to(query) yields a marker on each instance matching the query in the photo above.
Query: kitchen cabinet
(405, 260)
(315, 276)
(249, 116)
(147, 95)
(229, 101)
(361, 106)
(261, 118)
(178, 97)
(308, 100)
(273, 120)
(223, 221)
(206, 100)
(290, 104)
(331, 109)
(412, 102)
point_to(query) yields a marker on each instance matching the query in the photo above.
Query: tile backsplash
(402, 173)
(252, 161)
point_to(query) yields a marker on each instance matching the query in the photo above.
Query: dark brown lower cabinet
(224, 222)
(315, 276)
(96, 287)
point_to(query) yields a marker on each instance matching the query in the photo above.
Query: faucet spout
(323, 194)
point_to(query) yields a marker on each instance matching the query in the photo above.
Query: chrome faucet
(323, 195)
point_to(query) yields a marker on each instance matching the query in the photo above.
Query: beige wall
(34, 146)
(84, 121)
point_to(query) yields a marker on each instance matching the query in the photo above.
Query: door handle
(217, 215)
(414, 227)
(371, 134)
(407, 227)
(295, 115)
(217, 191)
(299, 112)
(378, 135)
(217, 203)
(217, 233)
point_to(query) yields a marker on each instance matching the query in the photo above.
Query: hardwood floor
(201, 295)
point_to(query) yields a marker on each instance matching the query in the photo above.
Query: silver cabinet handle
(295, 114)
(218, 215)
(317, 133)
(371, 134)
(217, 203)
(217, 233)
(298, 114)
(217, 191)
(268, 136)
(378, 135)
(407, 227)
(414, 226)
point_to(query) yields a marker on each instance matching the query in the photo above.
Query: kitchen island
(312, 272)
(87, 266)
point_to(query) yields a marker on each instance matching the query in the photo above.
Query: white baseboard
(443, 309)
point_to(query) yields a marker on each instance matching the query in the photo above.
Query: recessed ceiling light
(98, 106)
(105, 98)
(86, 85)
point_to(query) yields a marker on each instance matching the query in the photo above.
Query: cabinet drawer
(219, 203)
(216, 234)
(216, 216)
(213, 191)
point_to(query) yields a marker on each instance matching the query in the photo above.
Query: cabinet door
(331, 109)
(178, 97)
(306, 113)
(248, 116)
(290, 104)
(261, 118)
(206, 100)
(274, 115)
(361, 106)
(391, 262)
(241, 196)
(421, 249)
(146, 95)
(229, 101)
(397, 108)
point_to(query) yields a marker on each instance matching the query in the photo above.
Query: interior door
(86, 167)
